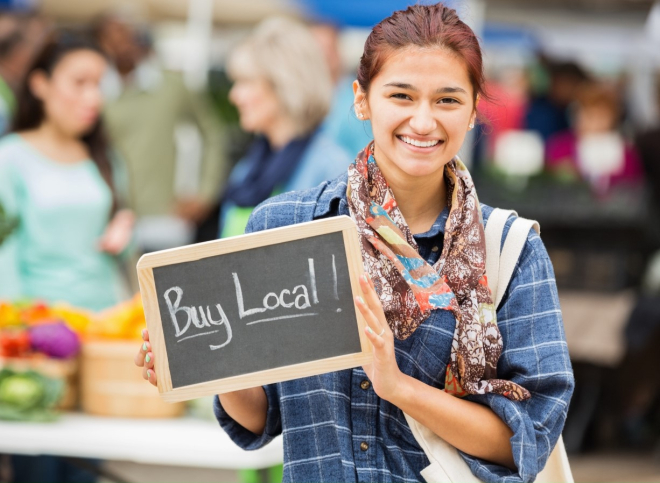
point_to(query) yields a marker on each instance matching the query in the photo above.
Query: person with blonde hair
(283, 90)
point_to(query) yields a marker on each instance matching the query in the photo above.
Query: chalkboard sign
(254, 309)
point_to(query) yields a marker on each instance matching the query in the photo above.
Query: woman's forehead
(242, 65)
(424, 68)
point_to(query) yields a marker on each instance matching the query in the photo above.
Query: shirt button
(364, 446)
(435, 249)
(365, 384)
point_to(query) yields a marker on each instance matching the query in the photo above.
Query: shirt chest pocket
(425, 354)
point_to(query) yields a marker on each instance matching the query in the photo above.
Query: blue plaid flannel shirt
(336, 429)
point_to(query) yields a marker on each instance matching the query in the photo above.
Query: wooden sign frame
(199, 251)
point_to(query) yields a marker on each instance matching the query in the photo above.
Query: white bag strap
(446, 464)
(493, 231)
(500, 264)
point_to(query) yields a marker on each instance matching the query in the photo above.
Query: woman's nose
(422, 121)
(233, 94)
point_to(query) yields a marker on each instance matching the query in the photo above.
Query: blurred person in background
(57, 178)
(20, 37)
(594, 150)
(145, 105)
(340, 124)
(547, 112)
(282, 90)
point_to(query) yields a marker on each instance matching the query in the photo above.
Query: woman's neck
(56, 143)
(420, 199)
(281, 132)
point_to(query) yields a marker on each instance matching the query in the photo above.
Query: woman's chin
(421, 168)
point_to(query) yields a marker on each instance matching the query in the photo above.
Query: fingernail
(360, 299)
(148, 359)
(143, 333)
(369, 329)
(144, 347)
(149, 374)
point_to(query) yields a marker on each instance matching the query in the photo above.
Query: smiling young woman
(494, 382)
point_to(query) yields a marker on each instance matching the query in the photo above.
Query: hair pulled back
(423, 26)
(30, 111)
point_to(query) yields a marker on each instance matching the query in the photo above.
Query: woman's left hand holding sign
(145, 359)
(383, 372)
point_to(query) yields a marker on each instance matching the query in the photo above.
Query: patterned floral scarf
(410, 288)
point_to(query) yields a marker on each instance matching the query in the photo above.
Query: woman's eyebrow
(441, 90)
(450, 90)
(401, 85)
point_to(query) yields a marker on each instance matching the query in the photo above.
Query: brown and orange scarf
(410, 288)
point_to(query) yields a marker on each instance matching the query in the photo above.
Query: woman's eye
(400, 96)
(448, 100)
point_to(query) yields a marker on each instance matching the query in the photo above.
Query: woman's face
(596, 119)
(420, 106)
(71, 95)
(257, 104)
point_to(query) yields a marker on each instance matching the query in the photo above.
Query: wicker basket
(111, 385)
(65, 369)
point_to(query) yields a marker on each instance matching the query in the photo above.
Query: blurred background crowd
(134, 126)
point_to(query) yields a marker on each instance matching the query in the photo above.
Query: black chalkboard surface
(254, 309)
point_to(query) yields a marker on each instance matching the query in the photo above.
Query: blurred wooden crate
(111, 384)
(594, 324)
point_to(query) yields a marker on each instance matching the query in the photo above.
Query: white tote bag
(447, 465)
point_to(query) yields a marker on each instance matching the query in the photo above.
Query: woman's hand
(247, 406)
(145, 359)
(192, 209)
(383, 372)
(118, 233)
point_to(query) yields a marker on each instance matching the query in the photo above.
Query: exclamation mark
(312, 280)
(334, 280)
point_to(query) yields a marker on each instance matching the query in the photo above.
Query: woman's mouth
(419, 144)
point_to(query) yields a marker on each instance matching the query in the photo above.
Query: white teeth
(419, 144)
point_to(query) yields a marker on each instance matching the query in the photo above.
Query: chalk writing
(191, 317)
(299, 298)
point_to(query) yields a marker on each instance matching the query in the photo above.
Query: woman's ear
(473, 117)
(38, 84)
(360, 102)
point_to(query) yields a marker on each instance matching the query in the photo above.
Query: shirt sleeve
(535, 355)
(245, 438)
(10, 279)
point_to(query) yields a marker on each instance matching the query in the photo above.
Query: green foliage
(28, 396)
(7, 224)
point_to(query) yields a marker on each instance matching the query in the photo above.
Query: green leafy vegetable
(28, 396)
(7, 224)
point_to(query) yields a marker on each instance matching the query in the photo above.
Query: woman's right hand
(145, 359)
(248, 406)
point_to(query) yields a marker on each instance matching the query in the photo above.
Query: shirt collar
(332, 197)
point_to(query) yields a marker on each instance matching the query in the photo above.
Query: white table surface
(177, 442)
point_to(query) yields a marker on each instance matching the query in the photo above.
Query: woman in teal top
(56, 179)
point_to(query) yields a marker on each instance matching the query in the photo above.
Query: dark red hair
(424, 26)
